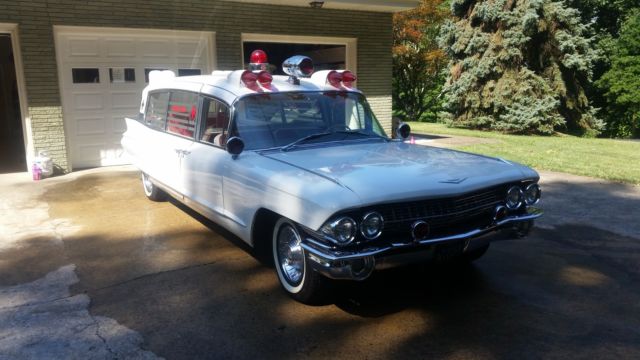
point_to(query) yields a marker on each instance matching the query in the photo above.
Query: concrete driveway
(89, 268)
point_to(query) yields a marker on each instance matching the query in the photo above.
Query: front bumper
(358, 265)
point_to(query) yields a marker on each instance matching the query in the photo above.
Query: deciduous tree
(418, 62)
(621, 83)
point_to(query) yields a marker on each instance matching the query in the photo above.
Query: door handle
(182, 153)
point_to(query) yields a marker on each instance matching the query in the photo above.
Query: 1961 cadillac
(299, 165)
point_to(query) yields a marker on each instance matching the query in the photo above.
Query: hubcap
(290, 255)
(146, 182)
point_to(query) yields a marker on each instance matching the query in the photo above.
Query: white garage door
(102, 73)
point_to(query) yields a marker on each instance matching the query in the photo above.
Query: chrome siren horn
(296, 67)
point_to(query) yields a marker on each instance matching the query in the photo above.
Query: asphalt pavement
(89, 268)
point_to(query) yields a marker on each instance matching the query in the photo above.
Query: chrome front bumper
(358, 265)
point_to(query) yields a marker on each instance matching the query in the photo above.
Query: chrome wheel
(300, 281)
(290, 255)
(151, 190)
(147, 184)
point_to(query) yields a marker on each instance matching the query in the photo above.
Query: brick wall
(36, 19)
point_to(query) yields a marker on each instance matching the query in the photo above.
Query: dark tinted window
(85, 76)
(189, 72)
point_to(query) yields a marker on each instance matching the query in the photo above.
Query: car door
(205, 166)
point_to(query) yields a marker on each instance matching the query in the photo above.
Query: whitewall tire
(151, 190)
(296, 277)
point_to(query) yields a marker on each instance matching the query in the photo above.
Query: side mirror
(404, 130)
(235, 146)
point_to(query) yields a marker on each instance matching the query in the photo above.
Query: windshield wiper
(317, 135)
(364, 133)
(304, 139)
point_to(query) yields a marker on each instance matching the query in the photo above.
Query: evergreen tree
(518, 66)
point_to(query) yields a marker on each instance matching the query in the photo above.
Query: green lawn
(617, 160)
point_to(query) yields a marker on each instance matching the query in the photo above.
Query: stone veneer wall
(36, 18)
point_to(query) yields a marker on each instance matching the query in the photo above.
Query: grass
(617, 160)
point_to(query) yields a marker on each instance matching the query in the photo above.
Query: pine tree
(518, 66)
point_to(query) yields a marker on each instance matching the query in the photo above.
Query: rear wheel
(296, 277)
(151, 190)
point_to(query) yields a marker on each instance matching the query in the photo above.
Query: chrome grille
(445, 215)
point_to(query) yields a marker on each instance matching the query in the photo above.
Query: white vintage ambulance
(299, 165)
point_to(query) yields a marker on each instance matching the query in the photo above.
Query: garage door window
(122, 75)
(181, 117)
(85, 75)
(157, 110)
(189, 72)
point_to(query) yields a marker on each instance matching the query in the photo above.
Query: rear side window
(182, 113)
(156, 114)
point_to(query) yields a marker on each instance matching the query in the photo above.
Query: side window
(215, 124)
(182, 113)
(156, 114)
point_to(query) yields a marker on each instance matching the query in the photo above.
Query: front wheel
(296, 277)
(151, 190)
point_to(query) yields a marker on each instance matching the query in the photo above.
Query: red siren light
(348, 78)
(258, 57)
(258, 60)
(334, 78)
(265, 79)
(250, 80)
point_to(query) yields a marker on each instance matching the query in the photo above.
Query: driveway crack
(124, 282)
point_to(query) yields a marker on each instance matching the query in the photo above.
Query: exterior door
(12, 149)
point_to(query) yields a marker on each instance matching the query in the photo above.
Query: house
(71, 70)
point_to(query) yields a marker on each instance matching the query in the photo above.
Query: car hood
(395, 171)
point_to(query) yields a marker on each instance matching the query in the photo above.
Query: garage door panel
(125, 100)
(90, 126)
(119, 126)
(88, 101)
(83, 47)
(155, 49)
(186, 49)
(120, 48)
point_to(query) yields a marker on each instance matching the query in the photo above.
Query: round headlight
(341, 230)
(532, 194)
(372, 224)
(514, 198)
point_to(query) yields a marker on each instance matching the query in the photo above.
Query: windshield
(266, 121)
